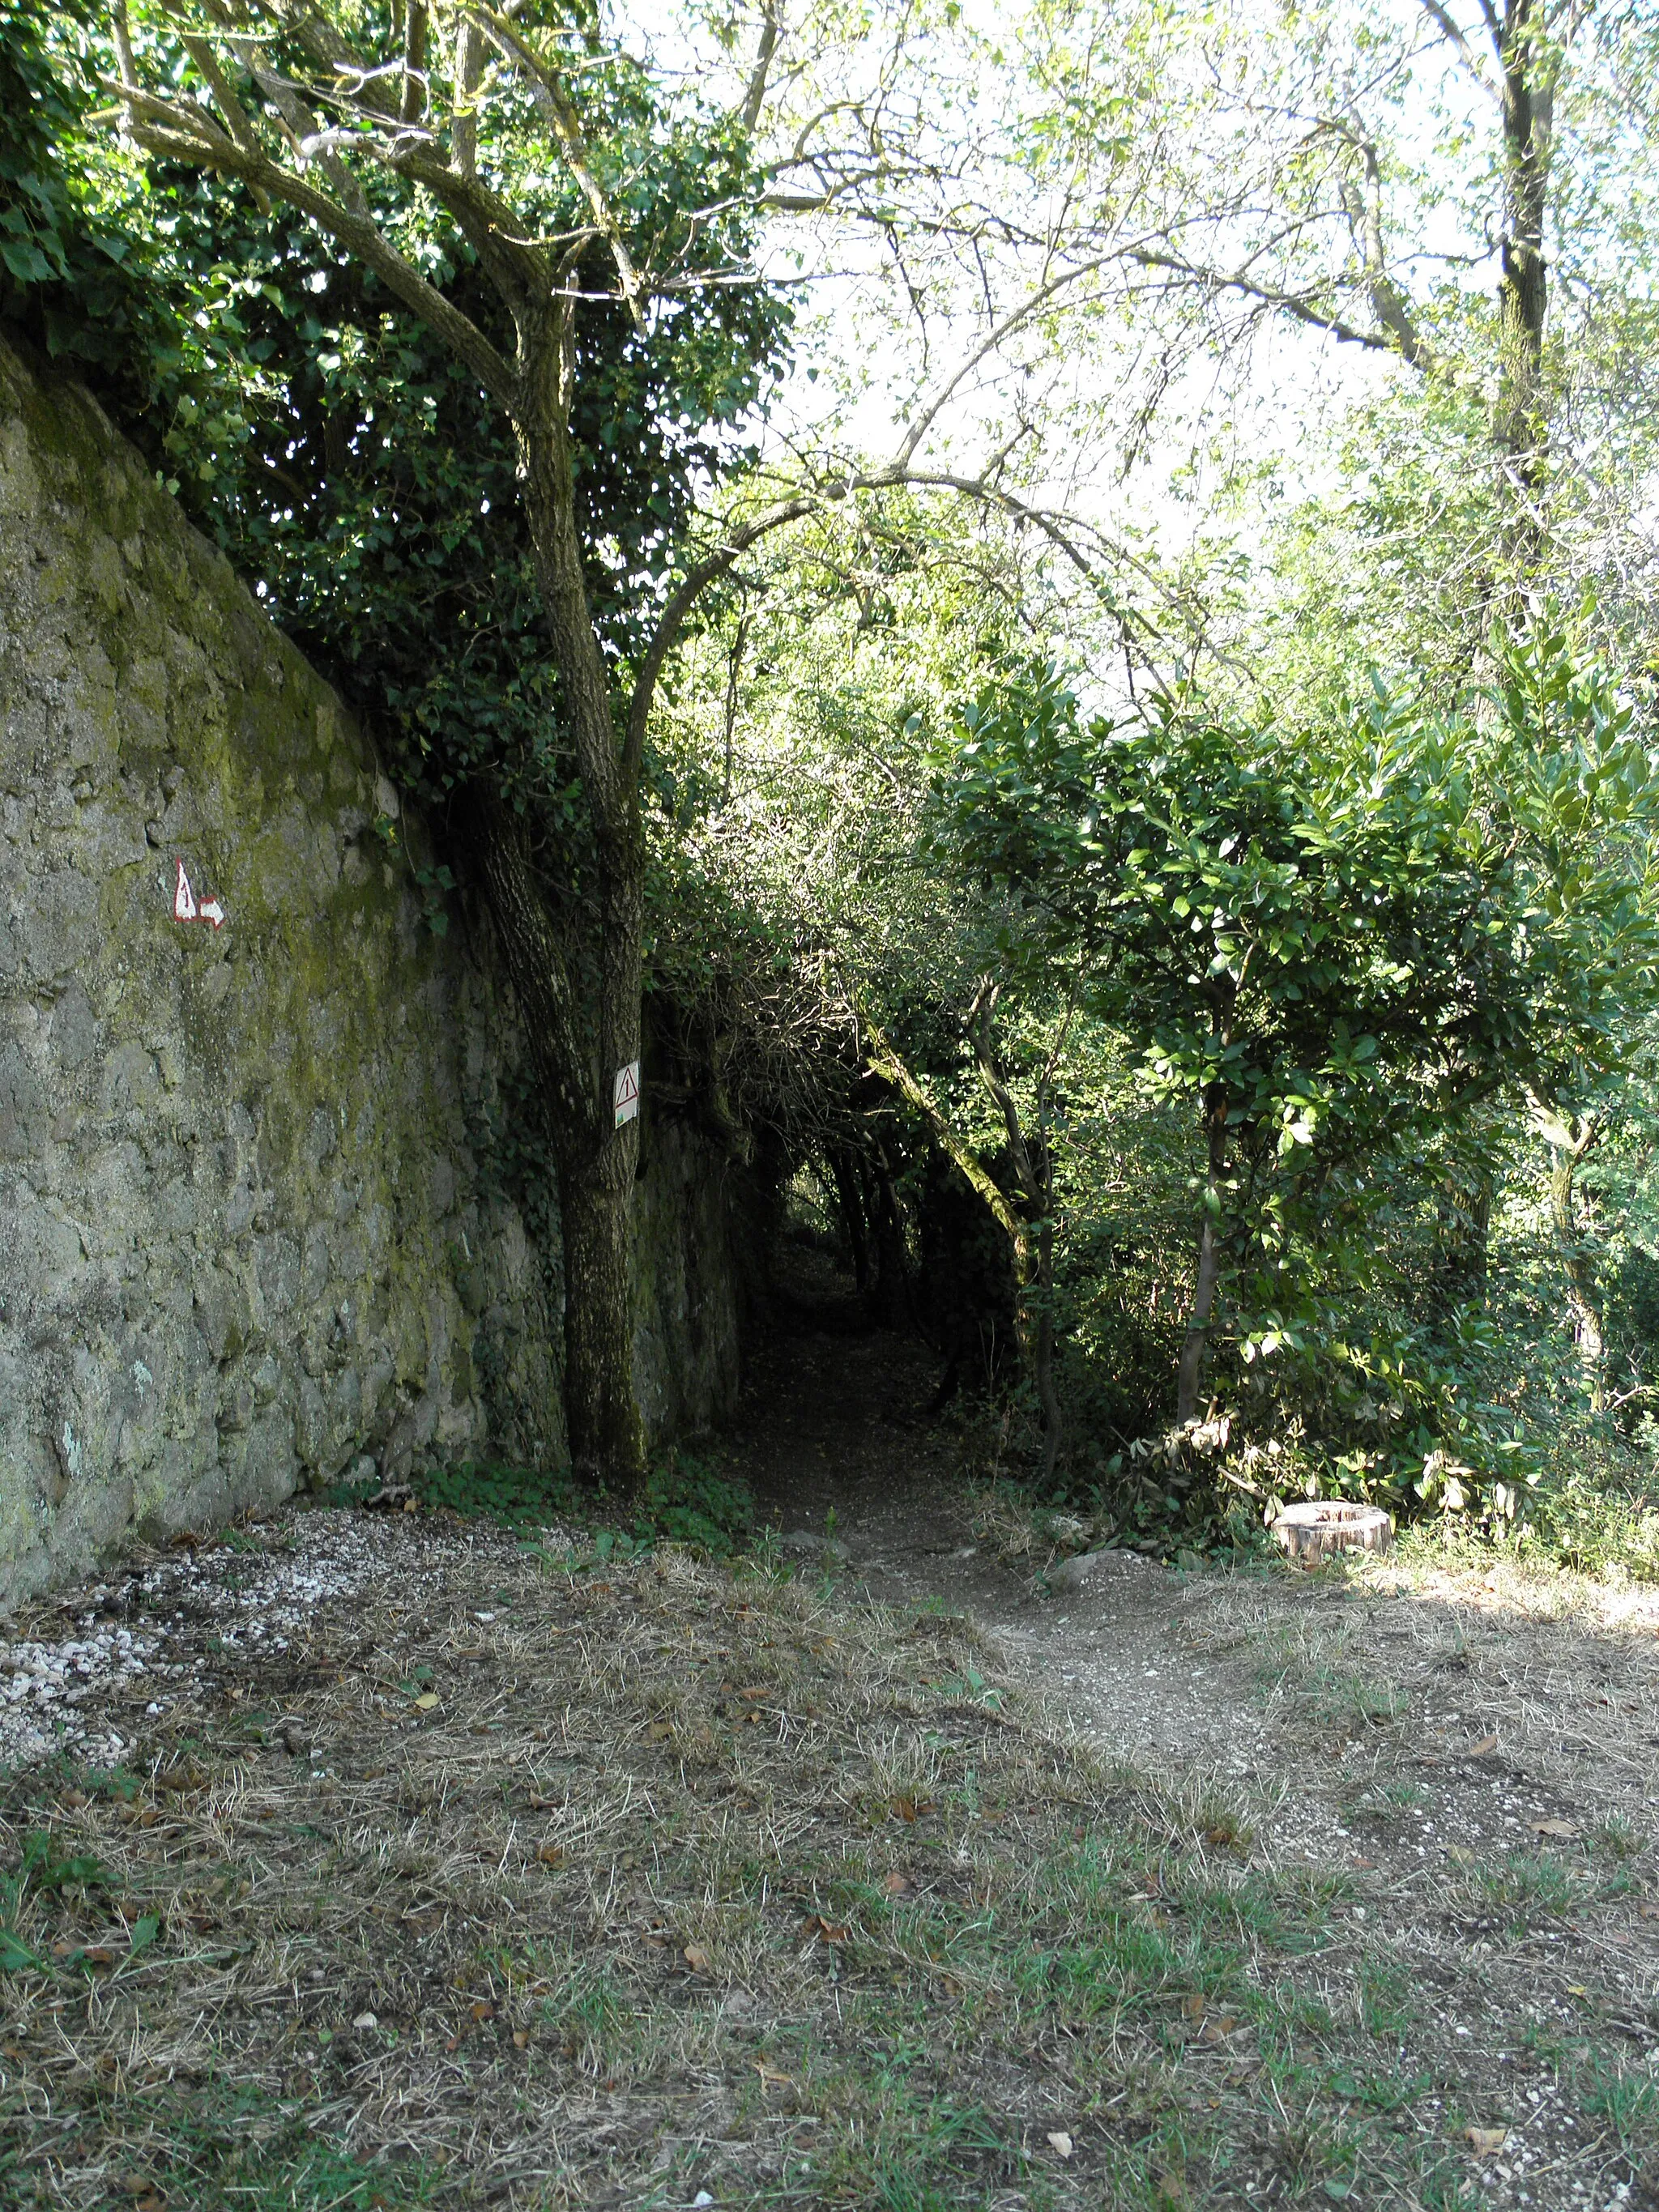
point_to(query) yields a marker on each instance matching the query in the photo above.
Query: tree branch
(882, 1060)
(1441, 20)
(185, 133)
(770, 25)
(547, 90)
(1319, 319)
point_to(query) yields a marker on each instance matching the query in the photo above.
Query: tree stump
(1325, 1526)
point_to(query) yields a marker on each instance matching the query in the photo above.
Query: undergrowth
(684, 1501)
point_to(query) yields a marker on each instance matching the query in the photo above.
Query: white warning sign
(627, 1092)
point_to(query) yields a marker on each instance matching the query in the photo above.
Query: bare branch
(1289, 303)
(415, 28)
(770, 25)
(548, 91)
(1004, 330)
(882, 1059)
(1441, 20)
(463, 119)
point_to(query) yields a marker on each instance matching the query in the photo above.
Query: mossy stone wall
(249, 1233)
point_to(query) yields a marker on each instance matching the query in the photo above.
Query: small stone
(366, 2020)
(802, 1544)
(1086, 1567)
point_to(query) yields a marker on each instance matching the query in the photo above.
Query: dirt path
(1476, 1751)
(366, 1859)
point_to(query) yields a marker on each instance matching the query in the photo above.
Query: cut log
(1325, 1526)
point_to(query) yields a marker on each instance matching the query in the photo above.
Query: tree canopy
(1049, 616)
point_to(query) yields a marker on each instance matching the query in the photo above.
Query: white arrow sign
(627, 1092)
(186, 906)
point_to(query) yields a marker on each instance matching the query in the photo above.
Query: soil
(1457, 1763)
(1410, 1725)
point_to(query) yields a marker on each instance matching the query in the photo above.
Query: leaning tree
(500, 173)
(415, 140)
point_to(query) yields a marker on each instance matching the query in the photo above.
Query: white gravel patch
(249, 1598)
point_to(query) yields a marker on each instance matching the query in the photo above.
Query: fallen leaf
(814, 1927)
(1479, 1750)
(483, 2009)
(426, 1702)
(1217, 2031)
(658, 1730)
(521, 2039)
(1462, 1853)
(1059, 2141)
(551, 1855)
(1556, 1828)
(898, 1885)
(771, 2077)
(1651, 1912)
(1577, 1989)
(696, 1958)
(1195, 2006)
(1485, 2140)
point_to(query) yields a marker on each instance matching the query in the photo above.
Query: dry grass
(697, 1880)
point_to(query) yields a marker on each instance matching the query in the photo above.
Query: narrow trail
(1454, 1745)
(362, 1754)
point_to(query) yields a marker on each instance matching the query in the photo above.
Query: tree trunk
(1042, 1347)
(1465, 1230)
(889, 1295)
(598, 1161)
(1529, 72)
(595, 1162)
(849, 1200)
(1034, 1234)
(602, 1412)
(1583, 1293)
(1196, 1342)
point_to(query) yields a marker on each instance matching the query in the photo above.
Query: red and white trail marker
(627, 1092)
(186, 906)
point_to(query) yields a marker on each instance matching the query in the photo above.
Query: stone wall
(249, 1228)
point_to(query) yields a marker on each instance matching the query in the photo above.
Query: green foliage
(514, 1498)
(374, 491)
(1337, 943)
(70, 280)
(85, 272)
(685, 1500)
(688, 1501)
(45, 1871)
(1300, 917)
